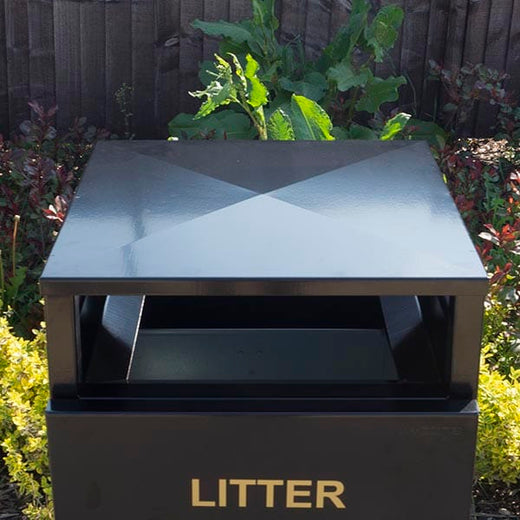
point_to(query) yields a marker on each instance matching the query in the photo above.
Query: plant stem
(352, 107)
(259, 125)
(15, 233)
(2, 281)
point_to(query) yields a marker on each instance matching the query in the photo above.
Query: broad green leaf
(221, 91)
(348, 36)
(225, 124)
(240, 50)
(382, 33)
(309, 120)
(258, 94)
(239, 73)
(395, 126)
(217, 95)
(288, 60)
(264, 14)
(427, 131)
(282, 101)
(340, 133)
(14, 283)
(379, 91)
(313, 86)
(361, 132)
(236, 32)
(252, 67)
(207, 72)
(346, 77)
(279, 127)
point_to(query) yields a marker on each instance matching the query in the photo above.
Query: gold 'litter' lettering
(333, 496)
(195, 495)
(292, 493)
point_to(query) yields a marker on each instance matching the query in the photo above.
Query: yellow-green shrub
(23, 398)
(498, 451)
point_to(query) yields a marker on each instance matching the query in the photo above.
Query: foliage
(124, 95)
(429, 131)
(501, 336)
(498, 450)
(487, 194)
(224, 124)
(234, 84)
(340, 81)
(469, 86)
(23, 398)
(302, 118)
(483, 177)
(38, 173)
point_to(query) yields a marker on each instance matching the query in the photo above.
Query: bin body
(141, 465)
(263, 330)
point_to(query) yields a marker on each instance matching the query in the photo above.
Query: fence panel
(78, 53)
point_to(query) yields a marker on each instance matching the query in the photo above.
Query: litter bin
(256, 330)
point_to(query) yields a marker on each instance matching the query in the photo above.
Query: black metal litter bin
(247, 330)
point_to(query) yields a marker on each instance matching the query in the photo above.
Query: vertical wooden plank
(293, 20)
(339, 13)
(190, 54)
(317, 27)
(495, 57)
(456, 32)
(240, 9)
(167, 27)
(17, 36)
(41, 52)
(68, 60)
(435, 49)
(413, 48)
(475, 45)
(143, 66)
(4, 94)
(455, 36)
(214, 10)
(118, 59)
(477, 29)
(513, 54)
(92, 38)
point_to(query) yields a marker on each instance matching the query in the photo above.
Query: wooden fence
(78, 53)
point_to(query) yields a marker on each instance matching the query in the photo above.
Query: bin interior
(264, 340)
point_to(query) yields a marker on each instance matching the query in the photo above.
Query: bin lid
(250, 217)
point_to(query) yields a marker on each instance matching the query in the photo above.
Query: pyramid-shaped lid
(249, 217)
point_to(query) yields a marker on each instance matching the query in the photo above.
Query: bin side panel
(141, 466)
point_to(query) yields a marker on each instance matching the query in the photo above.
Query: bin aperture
(267, 339)
(236, 329)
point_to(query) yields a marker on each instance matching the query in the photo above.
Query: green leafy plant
(501, 336)
(124, 95)
(234, 84)
(38, 173)
(498, 450)
(23, 437)
(301, 118)
(340, 81)
(466, 88)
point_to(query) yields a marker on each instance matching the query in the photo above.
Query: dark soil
(495, 502)
(10, 505)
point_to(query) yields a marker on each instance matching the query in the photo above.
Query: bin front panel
(148, 466)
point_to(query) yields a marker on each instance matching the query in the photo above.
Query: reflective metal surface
(263, 217)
